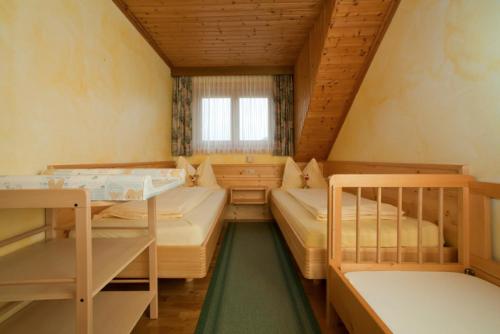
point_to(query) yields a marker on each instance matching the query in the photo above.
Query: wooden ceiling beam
(331, 66)
(137, 24)
(232, 70)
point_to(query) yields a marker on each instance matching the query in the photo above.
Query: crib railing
(398, 183)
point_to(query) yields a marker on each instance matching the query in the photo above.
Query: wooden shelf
(114, 312)
(248, 195)
(54, 261)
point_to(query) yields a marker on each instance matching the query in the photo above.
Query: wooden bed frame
(344, 303)
(312, 261)
(182, 261)
(186, 262)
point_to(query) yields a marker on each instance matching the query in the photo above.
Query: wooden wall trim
(233, 70)
(364, 167)
(329, 168)
(142, 30)
(488, 189)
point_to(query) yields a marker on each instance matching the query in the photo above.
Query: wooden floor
(180, 303)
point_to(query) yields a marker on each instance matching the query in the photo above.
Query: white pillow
(205, 175)
(313, 175)
(182, 163)
(292, 175)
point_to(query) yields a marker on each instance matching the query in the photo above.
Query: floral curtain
(283, 100)
(182, 128)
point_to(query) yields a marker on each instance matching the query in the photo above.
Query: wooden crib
(344, 301)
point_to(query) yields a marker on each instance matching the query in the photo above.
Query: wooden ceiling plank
(354, 32)
(196, 33)
(143, 31)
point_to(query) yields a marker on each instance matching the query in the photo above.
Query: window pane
(254, 118)
(216, 118)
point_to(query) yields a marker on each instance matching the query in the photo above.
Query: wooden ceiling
(327, 44)
(331, 67)
(224, 33)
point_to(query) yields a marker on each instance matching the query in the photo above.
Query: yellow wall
(78, 83)
(432, 92)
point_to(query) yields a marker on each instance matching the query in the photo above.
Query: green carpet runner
(254, 288)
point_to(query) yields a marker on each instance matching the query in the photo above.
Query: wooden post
(398, 234)
(379, 206)
(153, 262)
(50, 222)
(330, 226)
(358, 217)
(441, 225)
(464, 238)
(419, 232)
(337, 209)
(84, 299)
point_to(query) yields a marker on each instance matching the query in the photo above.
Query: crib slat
(337, 205)
(379, 204)
(358, 215)
(398, 234)
(419, 232)
(441, 225)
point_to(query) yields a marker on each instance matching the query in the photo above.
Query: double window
(233, 114)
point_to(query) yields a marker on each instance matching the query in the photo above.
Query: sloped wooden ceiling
(200, 34)
(331, 67)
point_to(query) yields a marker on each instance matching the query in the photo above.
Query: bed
(409, 296)
(299, 214)
(185, 245)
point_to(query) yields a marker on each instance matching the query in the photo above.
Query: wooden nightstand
(248, 203)
(248, 195)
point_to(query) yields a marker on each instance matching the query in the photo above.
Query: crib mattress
(191, 230)
(313, 232)
(430, 302)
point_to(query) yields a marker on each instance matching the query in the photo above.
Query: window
(216, 119)
(254, 118)
(233, 114)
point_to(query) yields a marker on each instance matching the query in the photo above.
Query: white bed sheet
(315, 201)
(430, 302)
(313, 232)
(191, 230)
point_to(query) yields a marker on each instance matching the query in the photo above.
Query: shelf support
(84, 300)
(153, 262)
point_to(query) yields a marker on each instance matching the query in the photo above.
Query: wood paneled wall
(331, 67)
(307, 65)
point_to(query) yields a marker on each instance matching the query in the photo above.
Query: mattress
(430, 302)
(313, 232)
(190, 230)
